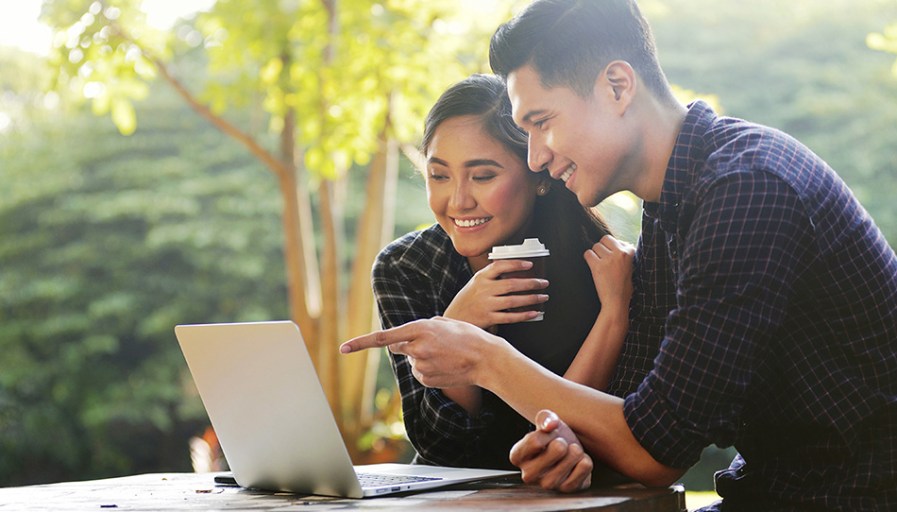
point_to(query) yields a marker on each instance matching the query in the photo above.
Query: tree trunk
(300, 257)
(331, 253)
(375, 230)
(331, 259)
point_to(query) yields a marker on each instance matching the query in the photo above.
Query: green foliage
(107, 243)
(885, 41)
(22, 85)
(376, 61)
(96, 60)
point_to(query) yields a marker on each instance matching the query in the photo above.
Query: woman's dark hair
(560, 222)
(568, 42)
(478, 95)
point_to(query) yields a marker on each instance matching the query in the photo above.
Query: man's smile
(567, 173)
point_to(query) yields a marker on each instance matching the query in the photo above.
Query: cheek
(499, 198)
(512, 199)
(434, 199)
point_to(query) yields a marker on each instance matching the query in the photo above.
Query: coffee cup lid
(530, 248)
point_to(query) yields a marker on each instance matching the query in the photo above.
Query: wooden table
(197, 491)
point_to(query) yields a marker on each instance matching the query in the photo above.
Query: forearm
(597, 418)
(594, 364)
(468, 397)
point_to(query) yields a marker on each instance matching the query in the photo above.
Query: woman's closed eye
(484, 177)
(436, 176)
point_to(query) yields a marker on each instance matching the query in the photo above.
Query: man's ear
(620, 80)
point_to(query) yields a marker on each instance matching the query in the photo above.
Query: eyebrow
(477, 162)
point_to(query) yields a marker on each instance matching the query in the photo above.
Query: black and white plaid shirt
(417, 276)
(777, 298)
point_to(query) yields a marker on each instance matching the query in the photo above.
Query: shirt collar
(686, 160)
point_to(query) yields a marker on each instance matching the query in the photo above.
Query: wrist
(615, 310)
(450, 313)
(491, 361)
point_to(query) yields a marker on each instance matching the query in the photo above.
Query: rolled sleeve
(654, 424)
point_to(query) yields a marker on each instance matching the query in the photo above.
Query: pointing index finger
(375, 339)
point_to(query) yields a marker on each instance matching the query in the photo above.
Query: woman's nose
(462, 199)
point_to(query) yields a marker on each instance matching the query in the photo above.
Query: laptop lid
(266, 404)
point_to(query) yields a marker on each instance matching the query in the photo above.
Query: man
(773, 291)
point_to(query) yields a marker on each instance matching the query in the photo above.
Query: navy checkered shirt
(776, 298)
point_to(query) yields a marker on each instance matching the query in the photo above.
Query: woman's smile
(471, 222)
(481, 192)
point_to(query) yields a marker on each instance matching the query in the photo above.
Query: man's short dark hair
(568, 42)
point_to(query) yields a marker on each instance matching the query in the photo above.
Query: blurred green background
(109, 240)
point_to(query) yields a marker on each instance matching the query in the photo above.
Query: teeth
(569, 172)
(464, 223)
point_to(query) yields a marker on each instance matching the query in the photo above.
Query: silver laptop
(276, 429)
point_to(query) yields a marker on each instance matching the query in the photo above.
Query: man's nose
(537, 155)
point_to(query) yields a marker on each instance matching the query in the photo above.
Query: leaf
(123, 116)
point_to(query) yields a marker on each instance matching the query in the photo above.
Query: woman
(482, 195)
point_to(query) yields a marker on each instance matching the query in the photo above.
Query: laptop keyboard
(379, 480)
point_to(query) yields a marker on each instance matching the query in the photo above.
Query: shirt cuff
(658, 429)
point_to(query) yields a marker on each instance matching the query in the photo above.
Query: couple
(763, 310)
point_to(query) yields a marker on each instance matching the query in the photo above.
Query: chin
(472, 253)
(590, 200)
(587, 200)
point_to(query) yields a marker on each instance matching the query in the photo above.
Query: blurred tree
(885, 41)
(106, 243)
(22, 86)
(339, 83)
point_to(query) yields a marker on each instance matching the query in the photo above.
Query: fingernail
(546, 422)
(345, 349)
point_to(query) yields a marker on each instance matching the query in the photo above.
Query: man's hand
(552, 457)
(443, 352)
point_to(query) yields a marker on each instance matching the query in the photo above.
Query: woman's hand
(610, 261)
(485, 299)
